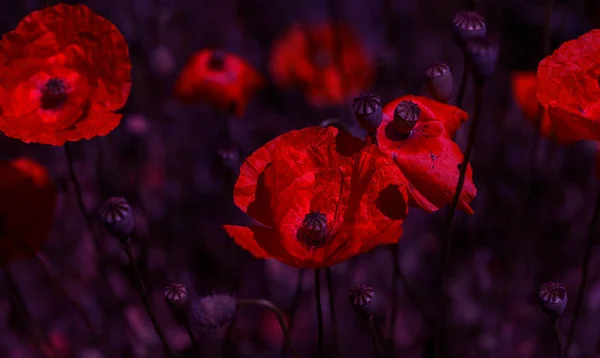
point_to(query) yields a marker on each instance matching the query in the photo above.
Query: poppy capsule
(176, 294)
(360, 297)
(483, 54)
(117, 215)
(439, 82)
(467, 25)
(553, 298)
(367, 108)
(406, 115)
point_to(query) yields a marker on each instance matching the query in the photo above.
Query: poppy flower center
(406, 115)
(322, 59)
(313, 231)
(217, 61)
(54, 94)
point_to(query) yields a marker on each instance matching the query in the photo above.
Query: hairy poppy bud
(406, 115)
(176, 294)
(360, 298)
(553, 298)
(439, 81)
(483, 55)
(117, 215)
(367, 108)
(214, 311)
(467, 25)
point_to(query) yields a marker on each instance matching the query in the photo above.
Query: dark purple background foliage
(163, 159)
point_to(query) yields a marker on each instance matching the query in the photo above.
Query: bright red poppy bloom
(568, 88)
(425, 153)
(305, 57)
(26, 209)
(221, 79)
(63, 72)
(319, 198)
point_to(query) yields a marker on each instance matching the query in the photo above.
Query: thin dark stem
(584, 274)
(464, 78)
(330, 291)
(294, 306)
(374, 336)
(557, 339)
(548, 27)
(320, 342)
(396, 274)
(278, 313)
(439, 338)
(190, 333)
(141, 287)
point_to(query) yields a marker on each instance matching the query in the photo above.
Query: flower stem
(330, 290)
(584, 274)
(278, 313)
(548, 27)
(294, 306)
(374, 336)
(320, 342)
(141, 287)
(463, 82)
(557, 339)
(439, 337)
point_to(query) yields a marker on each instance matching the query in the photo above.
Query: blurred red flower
(304, 56)
(63, 72)
(568, 88)
(221, 79)
(26, 209)
(427, 156)
(320, 197)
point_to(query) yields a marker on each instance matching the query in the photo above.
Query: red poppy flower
(63, 72)
(304, 56)
(422, 148)
(221, 79)
(568, 88)
(319, 197)
(26, 209)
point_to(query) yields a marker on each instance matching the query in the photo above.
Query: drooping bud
(213, 311)
(467, 25)
(117, 216)
(553, 298)
(360, 298)
(483, 55)
(313, 230)
(367, 108)
(176, 294)
(440, 83)
(406, 115)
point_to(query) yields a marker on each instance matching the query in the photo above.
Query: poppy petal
(524, 88)
(245, 237)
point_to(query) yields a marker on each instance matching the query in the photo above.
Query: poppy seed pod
(483, 54)
(360, 298)
(440, 83)
(406, 115)
(176, 294)
(117, 215)
(214, 311)
(313, 231)
(367, 108)
(553, 298)
(467, 25)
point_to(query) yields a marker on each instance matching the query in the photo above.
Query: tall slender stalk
(557, 338)
(375, 336)
(331, 295)
(294, 306)
(321, 341)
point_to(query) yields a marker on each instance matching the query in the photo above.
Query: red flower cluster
(63, 72)
(319, 197)
(26, 209)
(305, 55)
(221, 79)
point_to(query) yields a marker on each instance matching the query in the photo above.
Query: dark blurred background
(164, 159)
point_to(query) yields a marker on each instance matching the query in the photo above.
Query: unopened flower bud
(406, 115)
(213, 311)
(439, 82)
(553, 298)
(483, 54)
(176, 294)
(367, 108)
(360, 297)
(117, 215)
(468, 25)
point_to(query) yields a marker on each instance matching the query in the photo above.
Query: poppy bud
(467, 25)
(217, 60)
(553, 298)
(406, 115)
(360, 298)
(439, 82)
(117, 215)
(314, 229)
(214, 311)
(176, 294)
(483, 55)
(367, 108)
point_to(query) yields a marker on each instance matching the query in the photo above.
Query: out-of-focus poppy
(416, 132)
(568, 88)
(220, 79)
(319, 197)
(305, 56)
(26, 209)
(63, 72)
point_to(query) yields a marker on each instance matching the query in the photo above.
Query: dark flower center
(322, 59)
(406, 115)
(54, 94)
(313, 231)
(217, 61)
